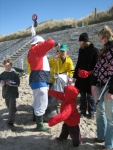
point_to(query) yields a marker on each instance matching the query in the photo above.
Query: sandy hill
(56, 25)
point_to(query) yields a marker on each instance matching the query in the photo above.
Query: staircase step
(24, 49)
(21, 50)
(16, 55)
(19, 53)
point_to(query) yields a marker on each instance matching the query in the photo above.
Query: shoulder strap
(108, 65)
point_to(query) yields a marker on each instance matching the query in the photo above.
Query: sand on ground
(23, 137)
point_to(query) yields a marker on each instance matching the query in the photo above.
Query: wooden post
(22, 64)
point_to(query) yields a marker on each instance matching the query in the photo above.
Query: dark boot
(39, 122)
(34, 117)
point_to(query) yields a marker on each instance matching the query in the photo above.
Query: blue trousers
(104, 118)
(91, 105)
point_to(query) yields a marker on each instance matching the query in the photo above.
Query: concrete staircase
(20, 52)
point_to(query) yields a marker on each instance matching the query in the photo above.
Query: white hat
(37, 39)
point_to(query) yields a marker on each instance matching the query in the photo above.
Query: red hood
(70, 92)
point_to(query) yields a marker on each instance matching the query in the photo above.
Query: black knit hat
(84, 37)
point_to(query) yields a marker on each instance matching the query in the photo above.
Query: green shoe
(44, 129)
(39, 122)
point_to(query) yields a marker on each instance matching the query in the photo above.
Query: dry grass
(45, 27)
(56, 25)
(101, 16)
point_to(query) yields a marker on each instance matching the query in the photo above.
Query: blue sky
(16, 15)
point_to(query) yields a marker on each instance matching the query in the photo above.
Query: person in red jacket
(68, 113)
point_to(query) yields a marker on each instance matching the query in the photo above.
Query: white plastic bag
(58, 85)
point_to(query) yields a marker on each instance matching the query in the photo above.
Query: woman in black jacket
(87, 59)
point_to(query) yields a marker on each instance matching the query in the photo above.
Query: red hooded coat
(68, 111)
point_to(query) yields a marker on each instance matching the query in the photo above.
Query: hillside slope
(56, 25)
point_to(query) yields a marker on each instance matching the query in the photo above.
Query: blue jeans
(83, 106)
(104, 118)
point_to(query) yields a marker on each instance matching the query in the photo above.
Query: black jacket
(87, 59)
(10, 91)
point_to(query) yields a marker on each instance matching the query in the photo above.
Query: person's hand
(57, 47)
(109, 97)
(74, 80)
(2, 82)
(70, 80)
(55, 56)
(94, 91)
(8, 83)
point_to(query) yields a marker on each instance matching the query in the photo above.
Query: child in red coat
(68, 114)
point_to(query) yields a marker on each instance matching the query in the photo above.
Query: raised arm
(42, 48)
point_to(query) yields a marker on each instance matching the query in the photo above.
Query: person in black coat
(87, 59)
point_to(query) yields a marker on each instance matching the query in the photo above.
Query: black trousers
(73, 131)
(11, 105)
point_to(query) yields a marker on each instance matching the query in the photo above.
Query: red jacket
(38, 63)
(68, 111)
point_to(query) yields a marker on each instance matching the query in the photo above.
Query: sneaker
(59, 139)
(82, 115)
(10, 124)
(15, 111)
(75, 145)
(91, 116)
(98, 141)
